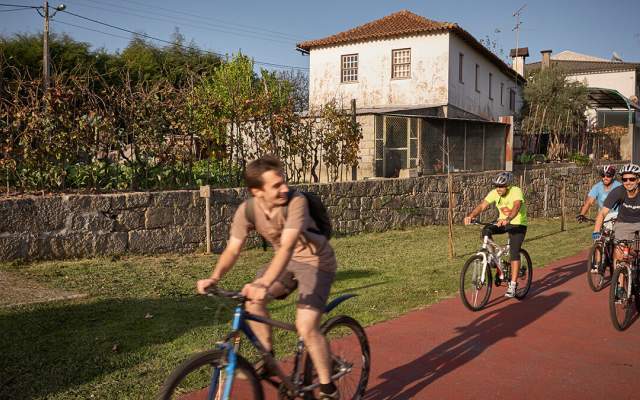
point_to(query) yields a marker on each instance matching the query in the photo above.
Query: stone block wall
(73, 226)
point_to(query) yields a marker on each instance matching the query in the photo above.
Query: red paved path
(556, 344)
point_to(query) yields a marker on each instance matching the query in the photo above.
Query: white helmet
(630, 169)
(503, 179)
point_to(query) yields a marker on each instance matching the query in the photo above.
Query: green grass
(103, 346)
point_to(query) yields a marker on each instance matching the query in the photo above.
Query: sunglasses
(500, 186)
(629, 179)
(607, 175)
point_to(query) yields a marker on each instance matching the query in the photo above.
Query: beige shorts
(312, 283)
(625, 230)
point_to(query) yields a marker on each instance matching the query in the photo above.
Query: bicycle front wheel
(525, 275)
(203, 376)
(350, 358)
(475, 286)
(620, 300)
(598, 268)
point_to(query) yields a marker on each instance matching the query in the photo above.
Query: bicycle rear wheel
(620, 300)
(475, 290)
(525, 275)
(350, 358)
(204, 372)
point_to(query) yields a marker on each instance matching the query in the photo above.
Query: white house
(614, 89)
(421, 87)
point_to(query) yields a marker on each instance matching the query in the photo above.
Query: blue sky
(268, 30)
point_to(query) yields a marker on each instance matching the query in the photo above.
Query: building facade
(429, 96)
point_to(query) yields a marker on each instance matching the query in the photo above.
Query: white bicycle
(476, 277)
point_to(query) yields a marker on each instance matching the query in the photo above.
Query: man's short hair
(255, 169)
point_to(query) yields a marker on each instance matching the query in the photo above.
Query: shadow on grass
(406, 381)
(347, 274)
(56, 347)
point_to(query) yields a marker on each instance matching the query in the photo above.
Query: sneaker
(329, 396)
(498, 280)
(511, 289)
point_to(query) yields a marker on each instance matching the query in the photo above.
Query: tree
(553, 105)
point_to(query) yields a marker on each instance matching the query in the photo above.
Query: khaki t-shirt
(312, 249)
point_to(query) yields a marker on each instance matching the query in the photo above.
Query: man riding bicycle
(303, 258)
(599, 192)
(626, 199)
(512, 219)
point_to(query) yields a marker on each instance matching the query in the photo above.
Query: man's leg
(308, 325)
(516, 238)
(489, 231)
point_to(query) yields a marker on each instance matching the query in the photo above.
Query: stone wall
(71, 226)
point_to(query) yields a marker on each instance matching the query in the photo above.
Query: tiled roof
(401, 23)
(585, 67)
(568, 55)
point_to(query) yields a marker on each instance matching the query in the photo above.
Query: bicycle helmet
(630, 169)
(607, 170)
(503, 179)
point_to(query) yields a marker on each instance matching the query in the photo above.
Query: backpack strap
(250, 215)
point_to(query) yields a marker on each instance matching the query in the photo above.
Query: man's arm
(227, 259)
(599, 219)
(512, 214)
(476, 211)
(257, 290)
(588, 202)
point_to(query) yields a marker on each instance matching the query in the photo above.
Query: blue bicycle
(222, 373)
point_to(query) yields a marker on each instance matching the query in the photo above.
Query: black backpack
(317, 211)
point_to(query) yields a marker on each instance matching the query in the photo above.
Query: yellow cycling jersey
(505, 204)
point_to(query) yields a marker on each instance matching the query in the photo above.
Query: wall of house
(624, 81)
(465, 96)
(375, 88)
(74, 226)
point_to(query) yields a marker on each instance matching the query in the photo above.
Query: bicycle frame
(231, 344)
(491, 253)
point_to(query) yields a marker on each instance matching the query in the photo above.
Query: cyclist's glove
(595, 235)
(581, 218)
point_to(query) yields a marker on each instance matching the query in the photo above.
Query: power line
(208, 19)
(17, 5)
(165, 18)
(268, 64)
(148, 15)
(15, 9)
(92, 30)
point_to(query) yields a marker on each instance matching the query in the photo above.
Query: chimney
(517, 56)
(546, 58)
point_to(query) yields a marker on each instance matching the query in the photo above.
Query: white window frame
(349, 68)
(401, 58)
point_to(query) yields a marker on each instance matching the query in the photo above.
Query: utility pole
(45, 39)
(517, 29)
(45, 47)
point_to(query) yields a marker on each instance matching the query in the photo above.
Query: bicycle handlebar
(476, 221)
(216, 291)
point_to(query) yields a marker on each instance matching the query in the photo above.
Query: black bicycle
(600, 265)
(222, 373)
(624, 295)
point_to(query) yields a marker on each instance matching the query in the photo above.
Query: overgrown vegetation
(157, 118)
(555, 106)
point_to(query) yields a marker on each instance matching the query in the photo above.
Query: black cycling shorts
(516, 236)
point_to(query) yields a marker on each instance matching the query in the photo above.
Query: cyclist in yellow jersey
(511, 205)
